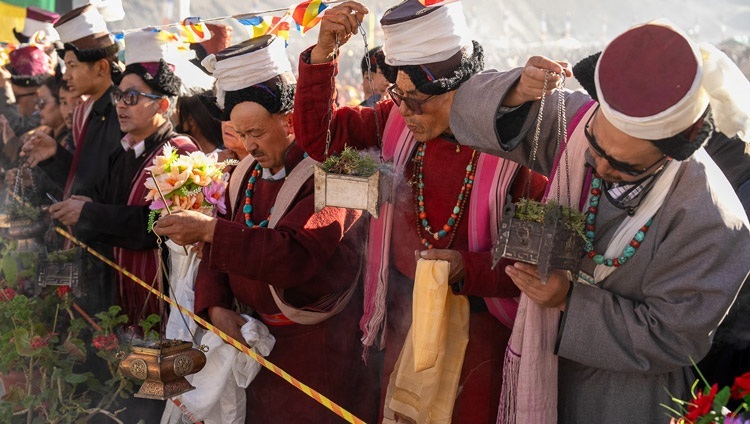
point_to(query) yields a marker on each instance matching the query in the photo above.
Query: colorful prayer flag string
(194, 30)
(332, 406)
(430, 3)
(306, 14)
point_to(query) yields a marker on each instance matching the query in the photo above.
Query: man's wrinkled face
(266, 136)
(430, 118)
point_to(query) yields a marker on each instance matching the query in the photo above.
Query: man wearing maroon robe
(427, 198)
(310, 260)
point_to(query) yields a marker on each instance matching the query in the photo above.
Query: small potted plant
(545, 234)
(61, 268)
(353, 180)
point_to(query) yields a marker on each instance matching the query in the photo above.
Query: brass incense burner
(163, 366)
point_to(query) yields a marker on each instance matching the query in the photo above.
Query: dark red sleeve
(352, 126)
(211, 288)
(479, 278)
(289, 255)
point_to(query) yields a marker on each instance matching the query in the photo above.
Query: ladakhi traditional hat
(37, 20)
(151, 56)
(84, 31)
(29, 66)
(654, 83)
(256, 70)
(431, 44)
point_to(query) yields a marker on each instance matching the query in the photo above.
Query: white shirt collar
(138, 147)
(267, 175)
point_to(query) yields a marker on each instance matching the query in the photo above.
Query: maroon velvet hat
(29, 66)
(37, 20)
(649, 81)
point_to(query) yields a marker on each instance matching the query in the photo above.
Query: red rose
(741, 387)
(701, 405)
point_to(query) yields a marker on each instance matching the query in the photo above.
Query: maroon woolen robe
(308, 256)
(444, 171)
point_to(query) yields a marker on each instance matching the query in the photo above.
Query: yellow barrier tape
(335, 408)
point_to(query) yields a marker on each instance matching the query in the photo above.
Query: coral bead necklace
(449, 227)
(590, 231)
(247, 208)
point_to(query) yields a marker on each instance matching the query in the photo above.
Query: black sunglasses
(617, 165)
(130, 97)
(414, 105)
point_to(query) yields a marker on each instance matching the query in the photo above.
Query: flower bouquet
(194, 181)
(710, 404)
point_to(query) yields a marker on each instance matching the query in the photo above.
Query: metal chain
(537, 132)
(331, 99)
(562, 136)
(368, 64)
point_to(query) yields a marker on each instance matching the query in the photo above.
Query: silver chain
(333, 91)
(332, 99)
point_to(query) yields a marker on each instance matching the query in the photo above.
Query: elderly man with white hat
(296, 268)
(446, 200)
(668, 241)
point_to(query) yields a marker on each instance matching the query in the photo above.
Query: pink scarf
(529, 393)
(493, 178)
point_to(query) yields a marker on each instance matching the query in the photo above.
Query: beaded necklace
(247, 209)
(458, 209)
(628, 252)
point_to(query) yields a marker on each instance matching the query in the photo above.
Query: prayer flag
(257, 25)
(306, 14)
(429, 3)
(261, 25)
(193, 30)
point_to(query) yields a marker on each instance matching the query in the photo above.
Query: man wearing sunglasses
(446, 200)
(667, 239)
(116, 212)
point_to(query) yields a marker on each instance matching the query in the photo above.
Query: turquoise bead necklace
(630, 249)
(247, 208)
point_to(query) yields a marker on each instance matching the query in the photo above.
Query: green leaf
(21, 340)
(9, 268)
(74, 378)
(722, 398)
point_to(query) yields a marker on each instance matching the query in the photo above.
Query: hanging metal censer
(163, 366)
(24, 220)
(61, 268)
(548, 235)
(343, 190)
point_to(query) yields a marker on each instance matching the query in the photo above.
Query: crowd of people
(653, 150)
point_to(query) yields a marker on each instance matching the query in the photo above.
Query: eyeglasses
(130, 97)
(413, 104)
(617, 165)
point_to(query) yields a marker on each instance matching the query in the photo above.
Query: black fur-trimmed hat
(659, 93)
(29, 66)
(430, 44)
(84, 31)
(150, 54)
(257, 70)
